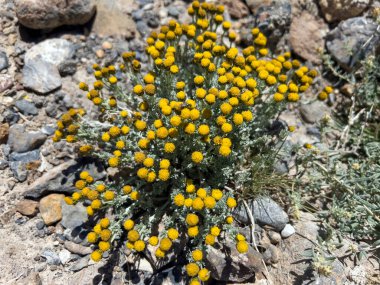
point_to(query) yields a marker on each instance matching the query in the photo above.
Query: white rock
(288, 231)
(64, 256)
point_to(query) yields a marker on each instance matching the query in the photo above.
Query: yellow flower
(323, 96)
(293, 97)
(114, 131)
(197, 157)
(179, 200)
(238, 119)
(105, 234)
(165, 163)
(192, 269)
(203, 274)
(231, 202)
(92, 237)
(104, 246)
(226, 127)
(162, 133)
(140, 125)
(190, 128)
(197, 255)
(198, 204)
(229, 220)
(226, 108)
(139, 245)
(201, 192)
(215, 231)
(242, 246)
(175, 121)
(209, 202)
(113, 161)
(165, 244)
(188, 202)
(133, 235)
(192, 219)
(190, 188)
(153, 240)
(148, 162)
(159, 253)
(194, 114)
(224, 150)
(203, 130)
(169, 147)
(163, 174)
(96, 204)
(104, 223)
(180, 85)
(278, 97)
(210, 239)
(139, 157)
(134, 195)
(198, 80)
(173, 234)
(109, 195)
(291, 128)
(96, 255)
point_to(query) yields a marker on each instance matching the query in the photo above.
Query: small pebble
(106, 45)
(100, 53)
(288, 231)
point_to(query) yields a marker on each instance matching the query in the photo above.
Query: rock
(265, 212)
(3, 61)
(112, 19)
(306, 36)
(26, 107)
(50, 208)
(338, 10)
(143, 28)
(171, 276)
(273, 20)
(25, 156)
(236, 8)
(80, 264)
(27, 207)
(68, 67)
(61, 179)
(345, 42)
(49, 14)
(51, 257)
(4, 132)
(40, 224)
(100, 53)
(228, 265)
(41, 77)
(20, 140)
(3, 164)
(54, 51)
(106, 45)
(253, 5)
(32, 279)
(19, 170)
(288, 231)
(274, 237)
(6, 82)
(77, 248)
(271, 255)
(64, 256)
(73, 215)
(313, 112)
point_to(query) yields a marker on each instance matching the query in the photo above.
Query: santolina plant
(176, 135)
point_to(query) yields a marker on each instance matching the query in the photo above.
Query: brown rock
(307, 36)
(77, 248)
(6, 82)
(338, 10)
(49, 14)
(274, 237)
(236, 8)
(50, 208)
(255, 4)
(271, 255)
(4, 132)
(228, 265)
(27, 207)
(112, 19)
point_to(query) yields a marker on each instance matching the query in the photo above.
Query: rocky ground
(42, 59)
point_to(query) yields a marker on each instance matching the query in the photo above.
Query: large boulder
(48, 14)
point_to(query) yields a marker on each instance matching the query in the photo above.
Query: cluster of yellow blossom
(175, 129)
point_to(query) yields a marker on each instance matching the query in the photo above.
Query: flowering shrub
(176, 136)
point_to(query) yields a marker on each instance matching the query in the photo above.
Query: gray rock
(228, 265)
(61, 179)
(26, 107)
(265, 212)
(36, 14)
(77, 248)
(271, 255)
(41, 76)
(68, 67)
(3, 164)
(51, 257)
(48, 130)
(40, 224)
(64, 256)
(312, 113)
(288, 231)
(80, 264)
(3, 61)
(20, 140)
(19, 170)
(6, 82)
(143, 28)
(25, 156)
(73, 215)
(338, 10)
(346, 42)
(54, 51)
